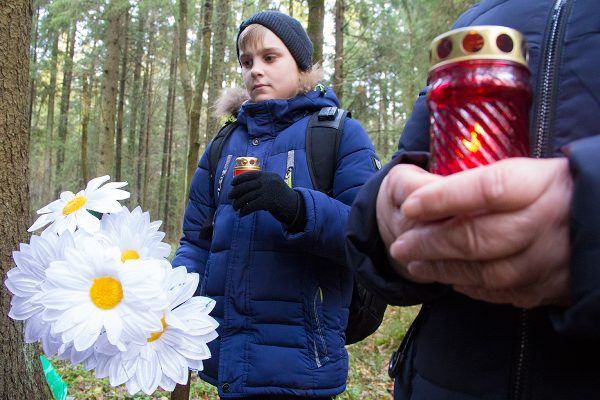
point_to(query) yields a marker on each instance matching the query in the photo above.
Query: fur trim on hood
(231, 99)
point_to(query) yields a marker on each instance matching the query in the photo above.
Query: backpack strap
(216, 148)
(323, 135)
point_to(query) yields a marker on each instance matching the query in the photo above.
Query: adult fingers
(506, 185)
(404, 179)
(481, 237)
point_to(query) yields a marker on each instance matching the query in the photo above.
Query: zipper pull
(289, 168)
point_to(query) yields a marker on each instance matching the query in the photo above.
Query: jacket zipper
(542, 123)
(548, 87)
(319, 295)
(222, 177)
(523, 341)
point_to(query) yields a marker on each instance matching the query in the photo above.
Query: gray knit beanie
(289, 30)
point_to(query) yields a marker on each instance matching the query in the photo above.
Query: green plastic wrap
(57, 386)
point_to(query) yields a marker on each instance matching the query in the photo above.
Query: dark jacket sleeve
(583, 316)
(365, 251)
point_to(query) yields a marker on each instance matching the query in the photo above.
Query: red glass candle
(245, 164)
(478, 99)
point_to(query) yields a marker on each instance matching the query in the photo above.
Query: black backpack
(323, 135)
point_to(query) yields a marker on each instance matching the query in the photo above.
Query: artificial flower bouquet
(96, 288)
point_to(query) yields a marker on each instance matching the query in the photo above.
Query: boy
(273, 261)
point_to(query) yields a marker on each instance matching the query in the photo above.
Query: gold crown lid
(478, 42)
(247, 162)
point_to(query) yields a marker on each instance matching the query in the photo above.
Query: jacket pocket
(317, 341)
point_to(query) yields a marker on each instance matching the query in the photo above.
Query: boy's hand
(261, 190)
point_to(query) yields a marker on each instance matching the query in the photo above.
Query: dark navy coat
(462, 349)
(282, 299)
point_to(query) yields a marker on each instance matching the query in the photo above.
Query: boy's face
(269, 70)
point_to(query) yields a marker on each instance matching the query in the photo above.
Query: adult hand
(261, 190)
(498, 233)
(401, 181)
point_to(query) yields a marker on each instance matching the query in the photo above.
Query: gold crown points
(476, 43)
(247, 162)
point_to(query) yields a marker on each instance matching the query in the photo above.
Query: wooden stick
(182, 392)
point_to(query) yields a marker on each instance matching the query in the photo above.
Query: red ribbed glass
(478, 114)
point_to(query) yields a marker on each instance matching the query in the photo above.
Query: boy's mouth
(259, 85)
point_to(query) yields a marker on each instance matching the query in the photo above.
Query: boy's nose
(256, 69)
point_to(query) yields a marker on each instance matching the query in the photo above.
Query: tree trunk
(316, 19)
(109, 89)
(86, 101)
(65, 103)
(135, 98)
(184, 72)
(121, 105)
(145, 117)
(338, 62)
(21, 374)
(218, 60)
(168, 138)
(148, 133)
(194, 133)
(48, 153)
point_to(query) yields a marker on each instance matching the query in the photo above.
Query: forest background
(127, 88)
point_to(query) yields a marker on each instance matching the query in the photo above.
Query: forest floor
(367, 379)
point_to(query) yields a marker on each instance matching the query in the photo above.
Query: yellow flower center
(129, 255)
(106, 292)
(74, 205)
(156, 335)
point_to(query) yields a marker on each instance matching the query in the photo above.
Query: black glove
(261, 190)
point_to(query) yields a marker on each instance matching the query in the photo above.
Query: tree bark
(121, 106)
(21, 374)
(316, 19)
(109, 89)
(338, 62)
(65, 103)
(33, 57)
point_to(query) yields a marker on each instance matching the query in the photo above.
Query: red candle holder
(245, 164)
(479, 98)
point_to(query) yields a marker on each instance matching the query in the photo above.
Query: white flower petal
(95, 183)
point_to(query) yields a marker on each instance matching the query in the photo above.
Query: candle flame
(474, 144)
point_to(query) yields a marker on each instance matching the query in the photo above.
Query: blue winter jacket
(462, 349)
(282, 299)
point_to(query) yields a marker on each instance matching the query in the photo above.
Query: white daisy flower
(92, 291)
(72, 210)
(168, 354)
(27, 282)
(134, 234)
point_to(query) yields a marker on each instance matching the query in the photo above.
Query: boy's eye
(269, 58)
(246, 63)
